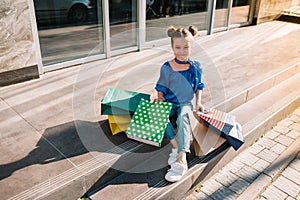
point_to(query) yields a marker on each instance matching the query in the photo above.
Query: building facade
(43, 35)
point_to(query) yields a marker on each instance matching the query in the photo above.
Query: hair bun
(172, 31)
(182, 32)
(193, 30)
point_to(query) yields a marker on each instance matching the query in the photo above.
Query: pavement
(269, 169)
(49, 126)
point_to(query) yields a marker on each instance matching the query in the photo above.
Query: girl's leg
(184, 130)
(174, 143)
(179, 168)
(171, 135)
(182, 157)
(170, 132)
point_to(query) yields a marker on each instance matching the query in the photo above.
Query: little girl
(180, 79)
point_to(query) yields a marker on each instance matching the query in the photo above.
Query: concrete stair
(125, 171)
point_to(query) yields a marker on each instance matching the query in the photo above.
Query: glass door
(122, 24)
(221, 14)
(240, 11)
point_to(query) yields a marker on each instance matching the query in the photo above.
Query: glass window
(240, 11)
(123, 23)
(221, 14)
(162, 13)
(69, 29)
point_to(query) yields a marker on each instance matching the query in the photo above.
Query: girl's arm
(199, 105)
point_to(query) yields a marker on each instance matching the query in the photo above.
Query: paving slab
(256, 148)
(293, 134)
(287, 186)
(278, 148)
(226, 178)
(260, 165)
(286, 141)
(274, 193)
(292, 175)
(239, 186)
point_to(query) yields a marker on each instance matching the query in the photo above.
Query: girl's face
(181, 48)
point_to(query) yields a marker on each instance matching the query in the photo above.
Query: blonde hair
(188, 34)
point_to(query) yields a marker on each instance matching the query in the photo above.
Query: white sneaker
(173, 156)
(176, 172)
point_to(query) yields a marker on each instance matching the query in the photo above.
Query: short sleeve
(163, 81)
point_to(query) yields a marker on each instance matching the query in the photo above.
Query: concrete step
(119, 168)
(291, 15)
(290, 18)
(257, 115)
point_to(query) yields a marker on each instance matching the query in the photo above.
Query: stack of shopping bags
(205, 140)
(220, 126)
(120, 105)
(133, 113)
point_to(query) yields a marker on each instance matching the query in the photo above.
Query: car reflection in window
(64, 11)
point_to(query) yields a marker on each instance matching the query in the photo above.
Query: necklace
(181, 62)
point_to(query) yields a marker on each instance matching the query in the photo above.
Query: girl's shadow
(58, 143)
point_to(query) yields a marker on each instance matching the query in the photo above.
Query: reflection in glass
(240, 11)
(181, 13)
(68, 29)
(221, 13)
(123, 23)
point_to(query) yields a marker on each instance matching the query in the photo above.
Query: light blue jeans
(183, 126)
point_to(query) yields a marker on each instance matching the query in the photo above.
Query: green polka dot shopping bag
(149, 122)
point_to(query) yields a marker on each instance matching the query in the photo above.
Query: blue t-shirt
(180, 86)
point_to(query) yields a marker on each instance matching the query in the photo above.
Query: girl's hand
(200, 107)
(159, 100)
(160, 97)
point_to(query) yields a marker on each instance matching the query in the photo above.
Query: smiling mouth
(183, 57)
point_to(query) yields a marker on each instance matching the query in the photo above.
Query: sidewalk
(269, 169)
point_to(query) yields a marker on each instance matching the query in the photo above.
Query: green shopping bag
(121, 102)
(149, 122)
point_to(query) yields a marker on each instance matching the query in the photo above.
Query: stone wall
(18, 60)
(268, 10)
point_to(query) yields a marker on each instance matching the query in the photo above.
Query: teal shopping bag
(149, 122)
(121, 102)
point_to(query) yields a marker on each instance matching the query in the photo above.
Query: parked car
(76, 11)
